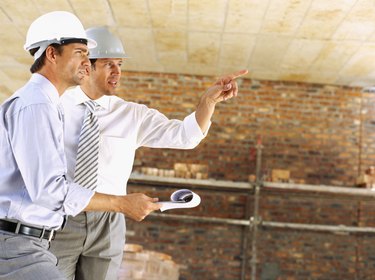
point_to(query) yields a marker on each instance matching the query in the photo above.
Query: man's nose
(117, 70)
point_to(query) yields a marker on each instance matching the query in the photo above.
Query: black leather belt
(19, 228)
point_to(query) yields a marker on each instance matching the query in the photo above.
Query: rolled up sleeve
(76, 200)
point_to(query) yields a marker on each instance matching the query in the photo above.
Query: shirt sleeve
(193, 129)
(157, 131)
(36, 136)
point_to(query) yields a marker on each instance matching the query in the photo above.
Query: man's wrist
(116, 203)
(206, 104)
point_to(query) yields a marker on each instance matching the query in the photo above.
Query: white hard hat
(108, 45)
(55, 27)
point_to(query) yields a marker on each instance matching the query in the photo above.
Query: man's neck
(90, 92)
(49, 75)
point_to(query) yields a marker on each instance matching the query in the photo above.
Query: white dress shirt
(124, 126)
(33, 185)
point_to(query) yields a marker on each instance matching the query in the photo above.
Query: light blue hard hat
(108, 45)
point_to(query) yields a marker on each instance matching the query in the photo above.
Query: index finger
(237, 74)
(228, 78)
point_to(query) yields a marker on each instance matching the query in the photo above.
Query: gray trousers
(26, 258)
(90, 247)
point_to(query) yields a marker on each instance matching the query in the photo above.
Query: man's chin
(79, 79)
(75, 82)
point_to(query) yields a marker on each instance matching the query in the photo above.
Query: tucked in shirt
(33, 185)
(124, 127)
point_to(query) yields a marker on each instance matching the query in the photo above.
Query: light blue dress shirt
(33, 185)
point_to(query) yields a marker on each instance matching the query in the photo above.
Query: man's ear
(51, 53)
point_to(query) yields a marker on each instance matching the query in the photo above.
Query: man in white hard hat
(91, 244)
(35, 196)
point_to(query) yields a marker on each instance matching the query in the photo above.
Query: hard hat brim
(91, 43)
(105, 55)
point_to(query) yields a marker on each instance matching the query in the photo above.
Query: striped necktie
(88, 149)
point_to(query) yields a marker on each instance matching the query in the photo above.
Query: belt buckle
(50, 236)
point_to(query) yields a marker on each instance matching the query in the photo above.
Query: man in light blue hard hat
(91, 244)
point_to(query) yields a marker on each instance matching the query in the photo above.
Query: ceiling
(318, 41)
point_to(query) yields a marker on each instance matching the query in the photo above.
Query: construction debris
(196, 171)
(367, 180)
(140, 264)
(280, 175)
(181, 170)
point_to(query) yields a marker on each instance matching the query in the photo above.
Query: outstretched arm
(223, 89)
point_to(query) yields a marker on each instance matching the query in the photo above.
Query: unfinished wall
(322, 134)
(214, 250)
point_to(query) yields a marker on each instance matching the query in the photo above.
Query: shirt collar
(81, 97)
(48, 89)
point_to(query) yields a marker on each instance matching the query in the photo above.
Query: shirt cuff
(193, 130)
(77, 199)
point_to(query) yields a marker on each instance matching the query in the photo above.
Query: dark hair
(38, 64)
(92, 61)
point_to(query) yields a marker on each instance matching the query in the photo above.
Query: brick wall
(322, 134)
(211, 250)
(204, 250)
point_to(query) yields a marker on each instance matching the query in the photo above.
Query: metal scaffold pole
(247, 230)
(255, 219)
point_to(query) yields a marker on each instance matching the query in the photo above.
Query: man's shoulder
(118, 103)
(70, 93)
(26, 96)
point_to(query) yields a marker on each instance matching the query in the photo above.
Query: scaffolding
(254, 222)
